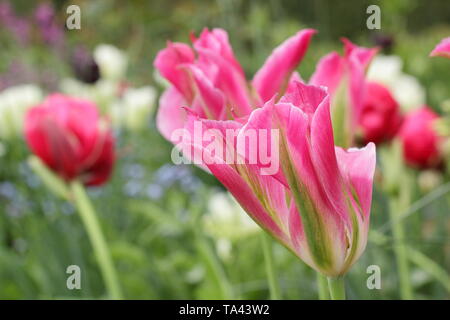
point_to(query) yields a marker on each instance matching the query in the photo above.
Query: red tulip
(380, 116)
(68, 135)
(420, 140)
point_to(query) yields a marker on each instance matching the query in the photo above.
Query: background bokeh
(152, 212)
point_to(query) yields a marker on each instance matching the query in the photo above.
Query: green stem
(274, 288)
(50, 179)
(400, 250)
(322, 286)
(214, 267)
(97, 239)
(337, 288)
(429, 266)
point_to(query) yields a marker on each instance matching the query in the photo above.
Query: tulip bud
(380, 117)
(420, 139)
(69, 137)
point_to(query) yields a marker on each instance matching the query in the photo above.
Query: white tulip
(111, 61)
(385, 69)
(138, 104)
(408, 92)
(14, 102)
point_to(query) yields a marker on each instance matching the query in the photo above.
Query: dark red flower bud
(380, 117)
(419, 138)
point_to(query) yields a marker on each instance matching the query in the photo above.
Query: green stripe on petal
(317, 238)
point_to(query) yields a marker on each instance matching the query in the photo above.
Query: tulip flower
(442, 49)
(344, 76)
(405, 88)
(380, 116)
(209, 79)
(68, 135)
(14, 103)
(111, 61)
(420, 139)
(69, 138)
(318, 202)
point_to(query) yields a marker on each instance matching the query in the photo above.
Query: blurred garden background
(172, 230)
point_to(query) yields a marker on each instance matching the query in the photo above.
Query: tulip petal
(241, 179)
(362, 55)
(329, 72)
(442, 49)
(100, 170)
(228, 79)
(324, 159)
(168, 62)
(217, 41)
(260, 123)
(306, 97)
(171, 115)
(357, 167)
(274, 75)
(210, 99)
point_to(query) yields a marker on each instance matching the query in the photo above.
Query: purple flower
(19, 27)
(45, 18)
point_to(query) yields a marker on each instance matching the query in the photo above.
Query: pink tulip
(208, 78)
(442, 49)
(344, 76)
(67, 135)
(318, 202)
(420, 139)
(380, 116)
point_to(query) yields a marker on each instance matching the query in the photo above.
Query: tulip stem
(400, 250)
(337, 288)
(322, 286)
(215, 268)
(92, 226)
(274, 288)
